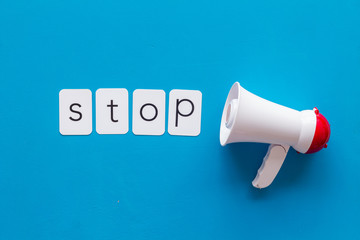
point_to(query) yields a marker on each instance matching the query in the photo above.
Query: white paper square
(148, 112)
(75, 112)
(184, 112)
(112, 111)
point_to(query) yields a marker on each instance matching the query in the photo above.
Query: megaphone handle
(271, 165)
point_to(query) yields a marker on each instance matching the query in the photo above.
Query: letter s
(72, 110)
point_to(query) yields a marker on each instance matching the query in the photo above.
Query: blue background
(297, 53)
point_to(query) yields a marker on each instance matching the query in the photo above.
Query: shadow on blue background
(301, 54)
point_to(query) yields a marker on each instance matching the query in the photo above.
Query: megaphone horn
(249, 118)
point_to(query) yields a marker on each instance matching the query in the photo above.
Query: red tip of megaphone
(322, 133)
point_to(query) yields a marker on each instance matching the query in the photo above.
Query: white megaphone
(249, 118)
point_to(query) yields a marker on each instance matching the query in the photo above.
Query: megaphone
(249, 118)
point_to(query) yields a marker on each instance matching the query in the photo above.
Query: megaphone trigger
(271, 165)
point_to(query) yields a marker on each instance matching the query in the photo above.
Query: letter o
(141, 112)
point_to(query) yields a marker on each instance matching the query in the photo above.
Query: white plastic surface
(249, 118)
(148, 112)
(271, 165)
(184, 112)
(75, 112)
(112, 111)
